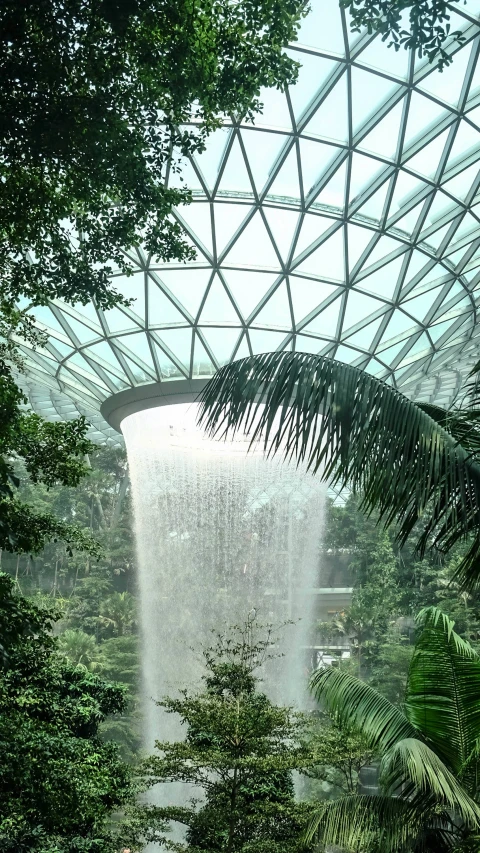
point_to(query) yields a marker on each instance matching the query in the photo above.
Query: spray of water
(220, 535)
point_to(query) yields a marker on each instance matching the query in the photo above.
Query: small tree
(339, 752)
(240, 750)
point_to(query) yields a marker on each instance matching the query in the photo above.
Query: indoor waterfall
(220, 534)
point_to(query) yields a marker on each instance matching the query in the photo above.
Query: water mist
(220, 534)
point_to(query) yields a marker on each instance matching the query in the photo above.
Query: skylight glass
(342, 222)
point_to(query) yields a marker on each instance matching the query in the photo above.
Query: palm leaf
(355, 430)
(412, 763)
(353, 822)
(462, 424)
(359, 706)
(443, 690)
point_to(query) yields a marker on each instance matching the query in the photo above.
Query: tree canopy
(59, 783)
(239, 750)
(98, 100)
(420, 25)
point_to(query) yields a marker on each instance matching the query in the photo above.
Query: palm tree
(119, 612)
(429, 750)
(78, 647)
(411, 462)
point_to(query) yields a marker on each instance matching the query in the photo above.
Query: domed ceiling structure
(345, 221)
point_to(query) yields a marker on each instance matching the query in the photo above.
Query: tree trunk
(233, 802)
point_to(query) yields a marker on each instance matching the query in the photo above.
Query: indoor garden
(240, 426)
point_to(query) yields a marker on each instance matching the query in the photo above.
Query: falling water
(219, 533)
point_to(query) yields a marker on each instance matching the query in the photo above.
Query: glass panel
(253, 246)
(188, 286)
(427, 160)
(222, 342)
(373, 206)
(266, 341)
(262, 148)
(313, 73)
(369, 92)
(276, 312)
(358, 240)
(358, 308)
(331, 119)
(117, 321)
(379, 55)
(161, 310)
(333, 194)
(235, 175)
(328, 260)
(202, 364)
(133, 287)
(312, 228)
(275, 108)
(467, 140)
(282, 224)
(364, 170)
(209, 161)
(248, 288)
(384, 281)
(383, 139)
(218, 307)
(447, 86)
(138, 345)
(197, 217)
(179, 342)
(168, 369)
(315, 157)
(326, 322)
(364, 338)
(286, 182)
(423, 113)
(228, 218)
(323, 28)
(308, 295)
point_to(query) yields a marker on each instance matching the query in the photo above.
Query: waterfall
(219, 533)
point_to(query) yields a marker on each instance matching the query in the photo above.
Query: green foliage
(58, 782)
(338, 753)
(428, 750)
(356, 430)
(93, 99)
(428, 25)
(239, 749)
(51, 453)
(98, 612)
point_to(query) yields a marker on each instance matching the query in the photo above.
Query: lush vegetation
(97, 631)
(94, 595)
(95, 97)
(428, 750)
(239, 751)
(59, 782)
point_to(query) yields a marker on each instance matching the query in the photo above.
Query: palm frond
(411, 762)
(354, 429)
(355, 821)
(359, 706)
(443, 690)
(462, 424)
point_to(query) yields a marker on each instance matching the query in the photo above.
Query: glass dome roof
(345, 221)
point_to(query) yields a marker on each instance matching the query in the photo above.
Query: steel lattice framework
(345, 221)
